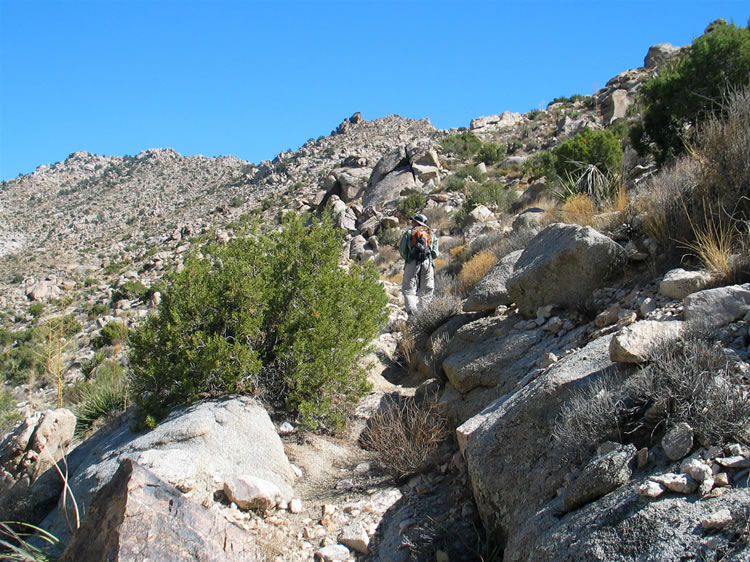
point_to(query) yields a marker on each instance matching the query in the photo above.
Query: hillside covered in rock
(576, 389)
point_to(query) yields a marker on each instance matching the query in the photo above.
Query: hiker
(419, 247)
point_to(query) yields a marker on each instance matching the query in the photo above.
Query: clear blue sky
(254, 78)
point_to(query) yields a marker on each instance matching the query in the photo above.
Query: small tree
(690, 89)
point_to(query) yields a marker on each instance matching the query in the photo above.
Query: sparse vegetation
(405, 436)
(691, 380)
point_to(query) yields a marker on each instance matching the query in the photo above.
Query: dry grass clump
(714, 244)
(691, 380)
(722, 147)
(694, 381)
(578, 209)
(429, 318)
(405, 436)
(473, 271)
(657, 204)
(590, 417)
(438, 218)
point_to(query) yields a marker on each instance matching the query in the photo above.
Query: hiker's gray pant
(418, 284)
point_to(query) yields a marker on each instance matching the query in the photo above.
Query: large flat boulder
(138, 516)
(514, 465)
(563, 265)
(196, 449)
(623, 526)
(491, 291)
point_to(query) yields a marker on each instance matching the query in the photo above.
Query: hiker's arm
(434, 247)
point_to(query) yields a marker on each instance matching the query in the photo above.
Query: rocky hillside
(596, 401)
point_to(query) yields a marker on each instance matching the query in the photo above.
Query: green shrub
(130, 290)
(9, 413)
(412, 204)
(36, 309)
(97, 309)
(539, 165)
(490, 194)
(117, 267)
(471, 172)
(390, 237)
(536, 114)
(462, 145)
(272, 314)
(491, 153)
(453, 183)
(686, 91)
(237, 202)
(598, 148)
(111, 334)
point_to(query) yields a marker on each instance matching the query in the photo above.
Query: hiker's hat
(420, 219)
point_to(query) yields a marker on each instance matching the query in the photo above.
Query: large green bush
(462, 145)
(272, 314)
(691, 88)
(597, 148)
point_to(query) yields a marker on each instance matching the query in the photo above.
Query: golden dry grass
(440, 263)
(474, 271)
(714, 245)
(578, 209)
(456, 250)
(396, 278)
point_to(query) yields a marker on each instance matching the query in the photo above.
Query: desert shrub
(9, 413)
(130, 290)
(722, 147)
(97, 309)
(437, 217)
(695, 381)
(540, 164)
(462, 145)
(444, 283)
(453, 183)
(578, 209)
(36, 309)
(405, 436)
(490, 153)
(117, 267)
(412, 204)
(657, 204)
(591, 416)
(686, 91)
(429, 318)
(112, 333)
(474, 270)
(465, 172)
(270, 313)
(390, 237)
(101, 399)
(536, 114)
(690, 380)
(589, 147)
(491, 194)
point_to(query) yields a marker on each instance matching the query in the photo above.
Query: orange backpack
(421, 243)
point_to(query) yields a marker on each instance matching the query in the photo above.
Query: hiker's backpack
(421, 244)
